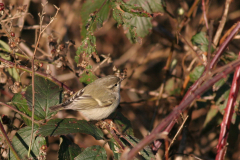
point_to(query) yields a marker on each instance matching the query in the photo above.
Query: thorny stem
(225, 125)
(33, 70)
(157, 144)
(8, 141)
(224, 45)
(214, 60)
(182, 106)
(216, 57)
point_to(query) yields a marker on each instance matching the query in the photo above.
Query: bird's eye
(116, 85)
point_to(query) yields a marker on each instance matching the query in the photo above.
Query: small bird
(97, 100)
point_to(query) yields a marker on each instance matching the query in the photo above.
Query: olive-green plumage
(95, 101)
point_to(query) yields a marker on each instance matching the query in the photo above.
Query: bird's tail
(56, 108)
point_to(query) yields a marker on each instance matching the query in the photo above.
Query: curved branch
(182, 106)
(24, 68)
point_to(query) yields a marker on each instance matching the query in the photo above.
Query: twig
(157, 144)
(33, 27)
(225, 125)
(47, 76)
(199, 58)
(14, 109)
(182, 106)
(41, 51)
(210, 31)
(33, 70)
(25, 48)
(23, 56)
(190, 11)
(11, 38)
(227, 34)
(106, 59)
(204, 13)
(8, 141)
(12, 18)
(222, 23)
(180, 128)
(224, 45)
(214, 60)
(191, 64)
(101, 7)
(114, 136)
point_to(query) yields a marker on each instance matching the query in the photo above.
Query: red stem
(157, 144)
(191, 94)
(225, 125)
(215, 59)
(182, 106)
(223, 46)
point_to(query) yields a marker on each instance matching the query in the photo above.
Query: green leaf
(94, 152)
(21, 141)
(222, 101)
(87, 78)
(228, 57)
(122, 123)
(196, 73)
(137, 27)
(135, 16)
(146, 152)
(21, 104)
(89, 67)
(115, 149)
(201, 41)
(47, 94)
(220, 83)
(14, 73)
(151, 6)
(68, 150)
(5, 47)
(87, 11)
(56, 127)
(88, 46)
(76, 59)
(210, 115)
(170, 85)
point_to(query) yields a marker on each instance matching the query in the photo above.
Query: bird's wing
(78, 101)
(86, 102)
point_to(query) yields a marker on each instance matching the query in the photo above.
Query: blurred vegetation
(163, 48)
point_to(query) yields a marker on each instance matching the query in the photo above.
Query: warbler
(97, 100)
